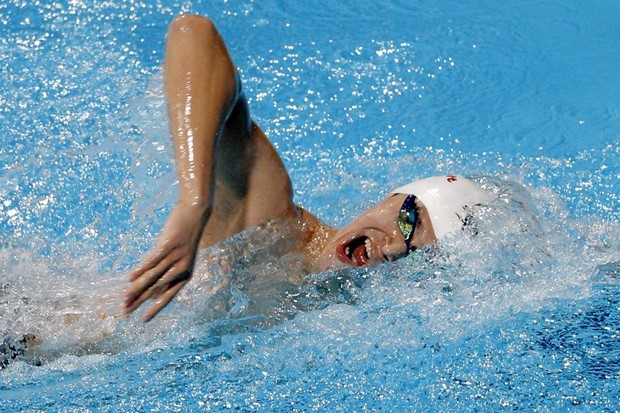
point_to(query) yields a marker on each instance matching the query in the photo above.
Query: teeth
(368, 245)
(347, 251)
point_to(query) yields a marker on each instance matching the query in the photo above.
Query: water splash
(521, 315)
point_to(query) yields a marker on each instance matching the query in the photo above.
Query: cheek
(396, 248)
(390, 227)
(424, 235)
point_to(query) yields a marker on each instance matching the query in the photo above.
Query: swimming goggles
(408, 219)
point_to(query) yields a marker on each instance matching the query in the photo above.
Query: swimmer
(231, 179)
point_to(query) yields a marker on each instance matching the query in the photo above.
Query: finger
(156, 292)
(179, 271)
(163, 300)
(137, 302)
(149, 278)
(151, 260)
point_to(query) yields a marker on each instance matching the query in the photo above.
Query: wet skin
(374, 238)
(231, 178)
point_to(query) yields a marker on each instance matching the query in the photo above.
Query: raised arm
(223, 161)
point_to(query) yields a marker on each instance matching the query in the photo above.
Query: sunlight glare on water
(520, 314)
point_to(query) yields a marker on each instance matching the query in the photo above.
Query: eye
(406, 220)
(411, 217)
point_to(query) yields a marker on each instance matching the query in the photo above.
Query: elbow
(191, 24)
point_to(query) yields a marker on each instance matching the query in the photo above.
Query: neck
(314, 236)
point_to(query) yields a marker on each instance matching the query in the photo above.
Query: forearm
(201, 89)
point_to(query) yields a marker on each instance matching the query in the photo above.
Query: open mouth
(355, 252)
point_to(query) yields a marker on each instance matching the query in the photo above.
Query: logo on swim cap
(445, 199)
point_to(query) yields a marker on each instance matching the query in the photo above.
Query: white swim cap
(446, 199)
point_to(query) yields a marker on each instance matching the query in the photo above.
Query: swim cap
(446, 198)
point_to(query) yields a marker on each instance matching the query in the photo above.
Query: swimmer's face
(374, 237)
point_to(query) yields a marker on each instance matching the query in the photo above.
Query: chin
(329, 261)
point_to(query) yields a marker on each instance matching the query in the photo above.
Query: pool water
(358, 98)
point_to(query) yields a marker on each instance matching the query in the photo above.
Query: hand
(169, 266)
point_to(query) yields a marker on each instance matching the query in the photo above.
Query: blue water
(358, 98)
